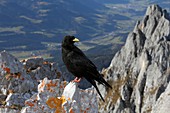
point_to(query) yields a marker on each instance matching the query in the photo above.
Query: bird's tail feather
(94, 84)
(102, 81)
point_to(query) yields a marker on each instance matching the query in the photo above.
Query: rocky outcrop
(140, 71)
(55, 97)
(17, 84)
(36, 85)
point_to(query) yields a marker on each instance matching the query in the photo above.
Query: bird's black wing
(81, 63)
(83, 57)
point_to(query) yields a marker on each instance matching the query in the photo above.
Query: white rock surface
(163, 103)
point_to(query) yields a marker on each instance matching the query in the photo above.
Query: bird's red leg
(77, 80)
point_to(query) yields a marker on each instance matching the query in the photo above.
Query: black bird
(79, 65)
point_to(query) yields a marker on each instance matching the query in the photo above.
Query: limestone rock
(15, 99)
(8, 110)
(35, 85)
(51, 98)
(13, 76)
(17, 84)
(163, 103)
(139, 72)
(38, 68)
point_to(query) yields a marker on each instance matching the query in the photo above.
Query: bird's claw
(77, 80)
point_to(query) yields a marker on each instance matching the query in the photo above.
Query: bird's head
(69, 40)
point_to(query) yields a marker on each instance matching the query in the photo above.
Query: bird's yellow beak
(76, 40)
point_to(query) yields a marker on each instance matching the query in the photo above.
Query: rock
(13, 75)
(21, 91)
(162, 104)
(2, 99)
(33, 63)
(15, 99)
(39, 69)
(51, 97)
(9, 61)
(8, 110)
(19, 80)
(46, 89)
(139, 72)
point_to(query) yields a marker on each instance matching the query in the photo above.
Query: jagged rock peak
(139, 72)
(155, 24)
(157, 11)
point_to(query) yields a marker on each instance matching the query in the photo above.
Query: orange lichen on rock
(51, 84)
(71, 110)
(57, 103)
(29, 104)
(87, 110)
(63, 85)
(11, 91)
(84, 111)
(9, 75)
(42, 85)
(22, 78)
(7, 69)
(45, 62)
(63, 100)
(51, 102)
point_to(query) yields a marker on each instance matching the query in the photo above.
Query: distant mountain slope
(50, 20)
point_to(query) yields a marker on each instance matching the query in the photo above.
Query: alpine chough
(79, 65)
